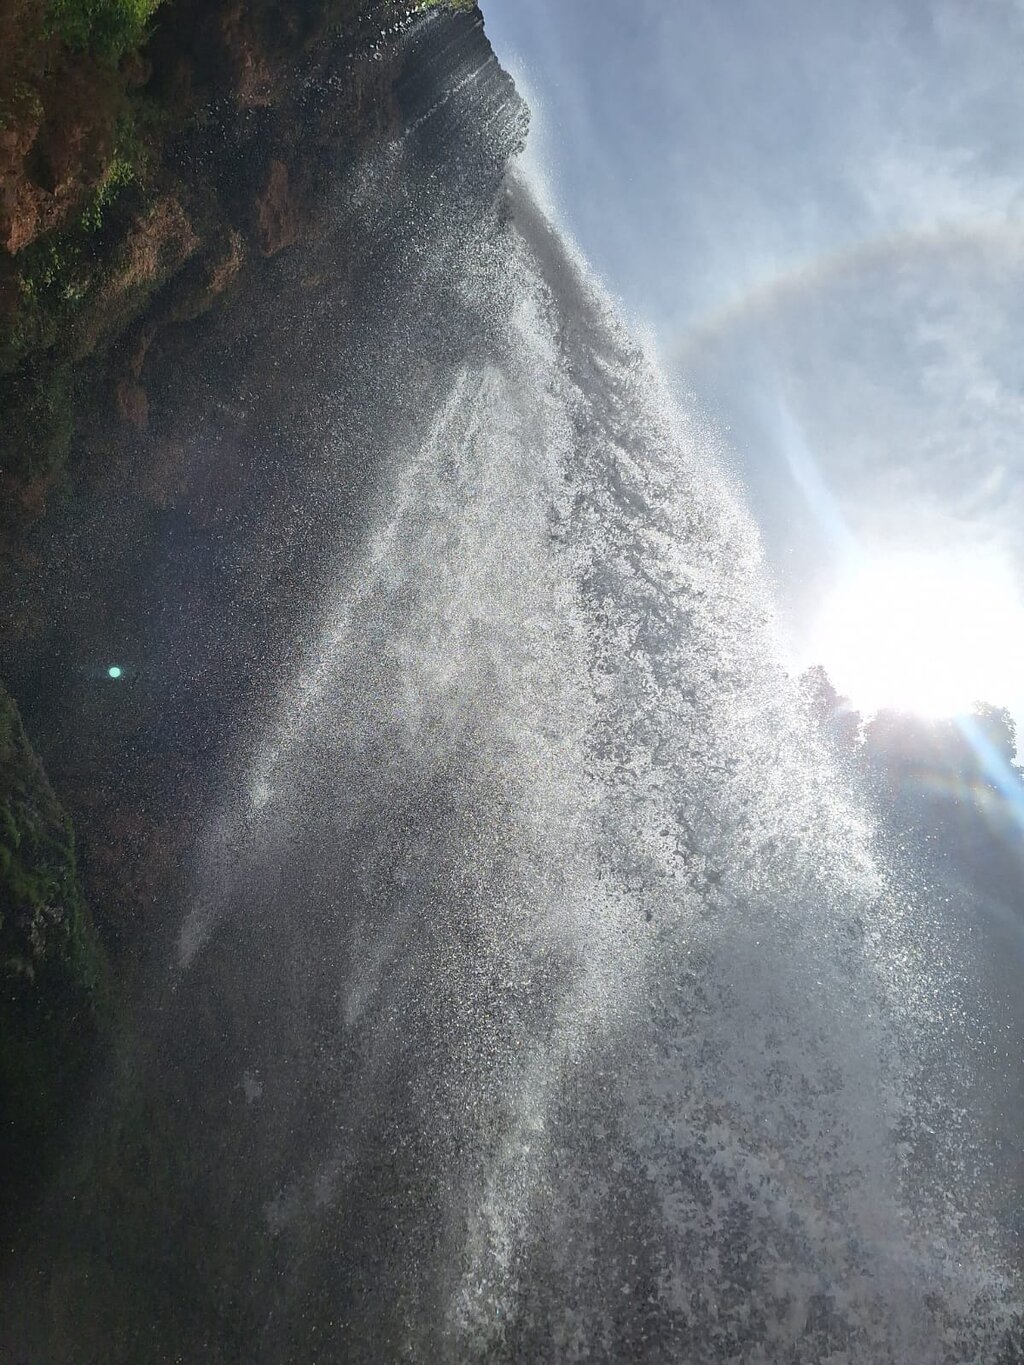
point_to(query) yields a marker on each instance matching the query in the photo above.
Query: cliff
(177, 192)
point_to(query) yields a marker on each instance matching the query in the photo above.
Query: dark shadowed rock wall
(224, 365)
(187, 552)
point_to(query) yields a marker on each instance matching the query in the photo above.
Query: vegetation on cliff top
(106, 28)
(71, 149)
(100, 209)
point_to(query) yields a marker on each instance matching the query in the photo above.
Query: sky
(818, 210)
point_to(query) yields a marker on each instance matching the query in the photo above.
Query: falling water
(537, 994)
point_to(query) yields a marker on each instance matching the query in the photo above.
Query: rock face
(50, 963)
(212, 428)
(188, 555)
(133, 163)
(277, 212)
(152, 201)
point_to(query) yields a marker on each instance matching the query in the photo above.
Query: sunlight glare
(927, 634)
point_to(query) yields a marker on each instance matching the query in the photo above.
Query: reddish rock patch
(277, 214)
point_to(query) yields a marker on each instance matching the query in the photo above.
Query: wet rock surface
(165, 543)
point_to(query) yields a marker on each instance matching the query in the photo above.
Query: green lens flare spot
(113, 671)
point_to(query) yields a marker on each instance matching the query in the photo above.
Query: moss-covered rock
(50, 963)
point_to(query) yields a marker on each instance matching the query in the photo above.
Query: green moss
(60, 281)
(51, 966)
(53, 276)
(120, 173)
(45, 928)
(58, 274)
(62, 265)
(19, 104)
(106, 29)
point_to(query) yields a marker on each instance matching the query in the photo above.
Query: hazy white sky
(819, 208)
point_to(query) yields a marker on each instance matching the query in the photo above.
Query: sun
(929, 634)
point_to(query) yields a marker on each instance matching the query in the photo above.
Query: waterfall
(538, 994)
